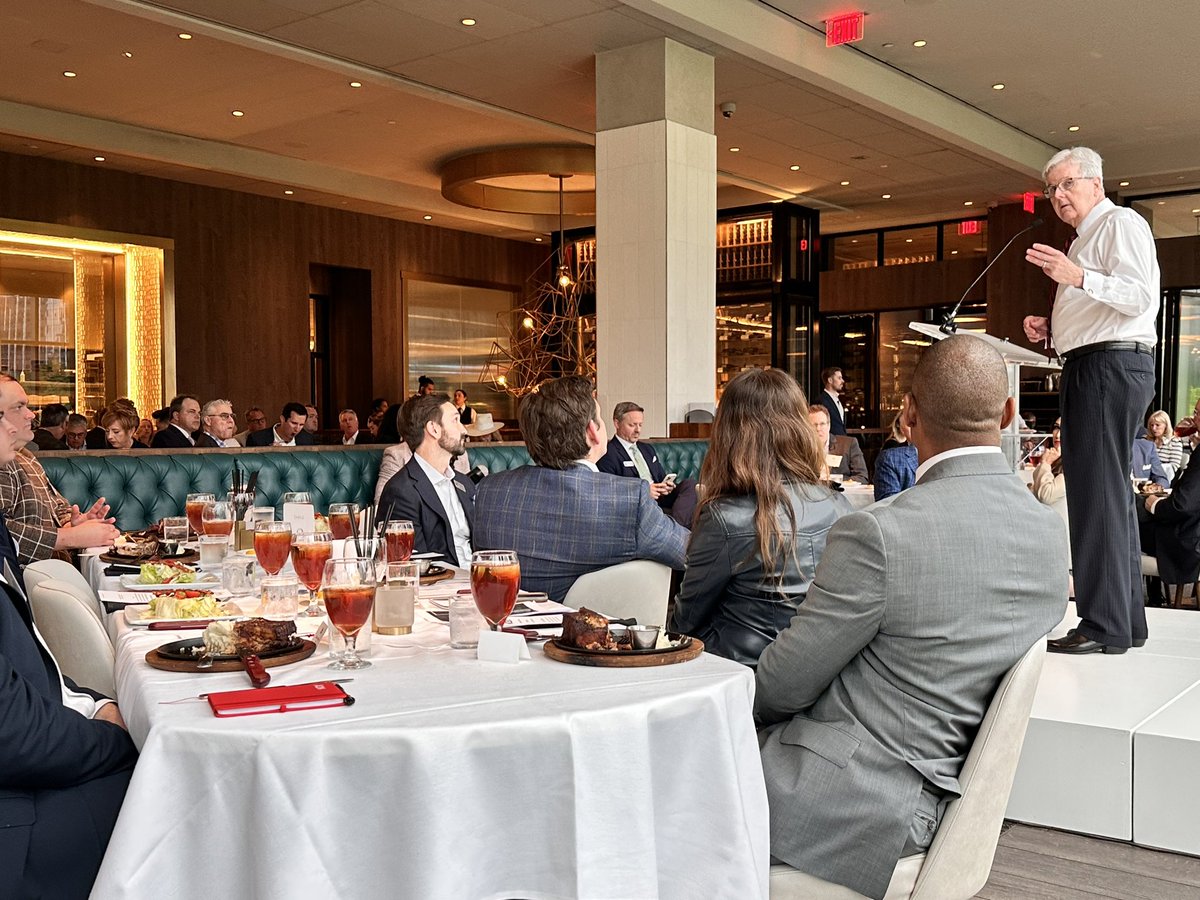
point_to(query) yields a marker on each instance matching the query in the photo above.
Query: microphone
(948, 326)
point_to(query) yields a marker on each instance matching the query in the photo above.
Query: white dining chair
(74, 634)
(958, 862)
(637, 589)
(61, 570)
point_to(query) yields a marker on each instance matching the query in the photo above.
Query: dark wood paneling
(1015, 288)
(242, 269)
(912, 286)
(1179, 261)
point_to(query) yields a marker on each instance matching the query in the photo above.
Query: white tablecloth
(448, 778)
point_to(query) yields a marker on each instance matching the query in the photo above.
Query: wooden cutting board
(623, 660)
(157, 661)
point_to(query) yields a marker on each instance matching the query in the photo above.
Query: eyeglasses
(1065, 185)
(221, 416)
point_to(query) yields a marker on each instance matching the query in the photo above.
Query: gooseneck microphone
(948, 326)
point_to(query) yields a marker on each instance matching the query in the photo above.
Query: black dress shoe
(1074, 642)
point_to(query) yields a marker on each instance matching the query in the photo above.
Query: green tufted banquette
(142, 486)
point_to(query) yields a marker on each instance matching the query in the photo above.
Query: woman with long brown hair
(761, 525)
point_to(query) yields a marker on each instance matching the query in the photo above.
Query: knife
(180, 625)
(259, 676)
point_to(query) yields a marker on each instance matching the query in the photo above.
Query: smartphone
(670, 479)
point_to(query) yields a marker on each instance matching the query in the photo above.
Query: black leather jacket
(727, 599)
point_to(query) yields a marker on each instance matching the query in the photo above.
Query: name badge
(833, 460)
(628, 462)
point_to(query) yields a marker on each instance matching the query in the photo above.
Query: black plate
(183, 650)
(684, 640)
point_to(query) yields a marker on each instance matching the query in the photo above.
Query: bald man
(920, 604)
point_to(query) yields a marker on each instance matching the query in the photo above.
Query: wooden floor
(1040, 864)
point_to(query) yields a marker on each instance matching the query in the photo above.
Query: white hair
(210, 408)
(1089, 162)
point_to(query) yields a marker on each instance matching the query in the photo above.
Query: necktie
(639, 463)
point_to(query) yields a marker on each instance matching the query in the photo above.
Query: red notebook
(256, 701)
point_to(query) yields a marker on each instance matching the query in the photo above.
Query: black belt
(1135, 346)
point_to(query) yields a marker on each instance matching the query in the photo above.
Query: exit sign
(1028, 201)
(970, 226)
(844, 29)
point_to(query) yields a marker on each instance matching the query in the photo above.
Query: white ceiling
(921, 124)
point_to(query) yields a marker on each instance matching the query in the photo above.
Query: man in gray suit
(920, 604)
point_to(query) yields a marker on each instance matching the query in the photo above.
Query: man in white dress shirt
(1103, 327)
(832, 383)
(439, 501)
(348, 423)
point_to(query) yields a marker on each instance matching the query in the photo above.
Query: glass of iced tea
(272, 543)
(310, 552)
(349, 589)
(399, 536)
(495, 580)
(217, 518)
(194, 508)
(341, 519)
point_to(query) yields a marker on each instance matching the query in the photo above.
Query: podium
(1014, 359)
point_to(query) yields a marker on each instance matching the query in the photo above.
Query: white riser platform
(1113, 745)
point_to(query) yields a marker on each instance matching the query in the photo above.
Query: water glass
(237, 576)
(465, 623)
(395, 599)
(174, 533)
(280, 596)
(212, 549)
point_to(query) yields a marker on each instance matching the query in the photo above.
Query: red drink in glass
(1186, 428)
(218, 526)
(195, 515)
(339, 525)
(349, 607)
(399, 546)
(272, 548)
(495, 590)
(309, 562)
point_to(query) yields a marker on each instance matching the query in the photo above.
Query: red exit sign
(971, 226)
(844, 29)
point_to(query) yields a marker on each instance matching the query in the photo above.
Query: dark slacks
(1104, 396)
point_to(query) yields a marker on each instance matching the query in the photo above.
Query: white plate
(133, 615)
(205, 582)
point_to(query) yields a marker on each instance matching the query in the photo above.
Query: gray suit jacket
(874, 692)
(853, 466)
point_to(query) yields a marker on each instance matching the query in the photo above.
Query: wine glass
(341, 519)
(217, 518)
(272, 541)
(194, 508)
(310, 552)
(495, 580)
(349, 589)
(399, 536)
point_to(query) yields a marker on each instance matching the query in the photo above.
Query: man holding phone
(629, 457)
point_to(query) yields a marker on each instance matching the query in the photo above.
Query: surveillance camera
(728, 109)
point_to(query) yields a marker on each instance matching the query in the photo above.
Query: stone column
(656, 216)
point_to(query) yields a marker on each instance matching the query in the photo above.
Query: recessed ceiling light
(237, 113)
(845, 184)
(289, 192)
(98, 158)
(1123, 184)
(184, 36)
(356, 84)
(918, 43)
(794, 168)
(1195, 212)
(883, 165)
(908, 240)
(968, 203)
(1162, 202)
(467, 22)
(953, 252)
(427, 218)
(127, 55)
(998, 86)
(886, 196)
(735, 149)
(854, 240)
(1073, 128)
(539, 240)
(69, 74)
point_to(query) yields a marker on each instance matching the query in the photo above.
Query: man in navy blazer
(439, 501)
(832, 383)
(288, 433)
(185, 422)
(622, 458)
(65, 756)
(563, 516)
